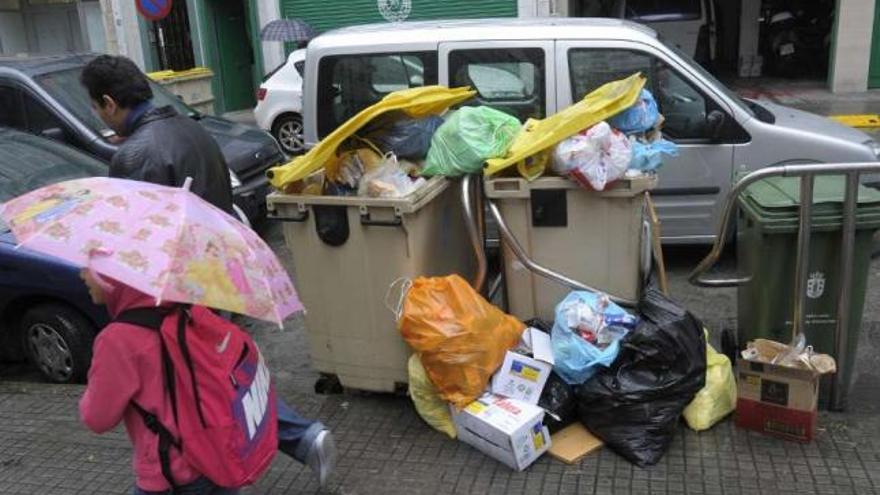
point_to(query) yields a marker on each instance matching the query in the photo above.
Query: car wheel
(59, 341)
(288, 130)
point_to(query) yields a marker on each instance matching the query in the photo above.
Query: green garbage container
(766, 249)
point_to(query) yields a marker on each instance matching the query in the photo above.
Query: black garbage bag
(406, 138)
(542, 325)
(559, 401)
(634, 406)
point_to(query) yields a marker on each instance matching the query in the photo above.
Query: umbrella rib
(164, 284)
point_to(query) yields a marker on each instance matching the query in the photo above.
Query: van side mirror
(55, 133)
(715, 124)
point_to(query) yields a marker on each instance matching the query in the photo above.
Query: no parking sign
(154, 10)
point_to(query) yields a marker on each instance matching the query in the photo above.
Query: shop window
(508, 79)
(683, 106)
(348, 84)
(172, 40)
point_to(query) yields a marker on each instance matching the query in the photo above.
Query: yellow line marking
(858, 120)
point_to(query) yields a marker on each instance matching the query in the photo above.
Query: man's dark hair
(118, 78)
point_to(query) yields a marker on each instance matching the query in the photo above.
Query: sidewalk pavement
(385, 448)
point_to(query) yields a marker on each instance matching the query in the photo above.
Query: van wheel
(288, 130)
(58, 339)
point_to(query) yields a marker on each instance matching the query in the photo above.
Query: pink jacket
(126, 366)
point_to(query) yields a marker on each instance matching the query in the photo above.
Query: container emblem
(816, 285)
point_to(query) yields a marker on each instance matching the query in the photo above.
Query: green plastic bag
(433, 409)
(468, 138)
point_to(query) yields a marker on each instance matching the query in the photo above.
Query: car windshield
(742, 104)
(29, 162)
(65, 87)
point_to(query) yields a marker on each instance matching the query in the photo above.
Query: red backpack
(221, 394)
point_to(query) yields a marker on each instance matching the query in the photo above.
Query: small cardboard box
(521, 378)
(508, 430)
(777, 400)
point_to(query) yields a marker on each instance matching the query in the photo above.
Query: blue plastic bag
(640, 117)
(647, 156)
(576, 358)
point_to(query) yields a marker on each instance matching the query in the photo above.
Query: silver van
(531, 68)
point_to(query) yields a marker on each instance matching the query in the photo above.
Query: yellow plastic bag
(414, 102)
(428, 403)
(461, 338)
(540, 135)
(717, 398)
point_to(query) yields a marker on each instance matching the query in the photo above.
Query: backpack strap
(166, 441)
(182, 320)
(152, 318)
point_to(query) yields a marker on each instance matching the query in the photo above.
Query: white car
(279, 103)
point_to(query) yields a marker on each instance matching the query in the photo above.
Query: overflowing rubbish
(542, 135)
(586, 334)
(597, 373)
(638, 118)
(508, 430)
(594, 157)
(389, 180)
(778, 388)
(406, 138)
(469, 137)
(717, 398)
(461, 338)
(648, 155)
(559, 401)
(413, 102)
(430, 406)
(635, 405)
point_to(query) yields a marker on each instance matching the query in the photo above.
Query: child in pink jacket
(126, 367)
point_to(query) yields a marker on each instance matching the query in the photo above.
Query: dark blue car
(46, 315)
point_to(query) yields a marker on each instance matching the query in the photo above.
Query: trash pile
(391, 148)
(627, 145)
(598, 375)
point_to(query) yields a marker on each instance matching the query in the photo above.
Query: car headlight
(234, 180)
(874, 146)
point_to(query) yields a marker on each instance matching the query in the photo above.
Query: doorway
(235, 54)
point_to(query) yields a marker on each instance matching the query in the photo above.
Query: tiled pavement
(386, 449)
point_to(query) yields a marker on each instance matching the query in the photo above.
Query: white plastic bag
(388, 180)
(595, 157)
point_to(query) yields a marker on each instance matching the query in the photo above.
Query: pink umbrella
(163, 241)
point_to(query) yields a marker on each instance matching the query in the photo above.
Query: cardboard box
(521, 378)
(508, 430)
(777, 400)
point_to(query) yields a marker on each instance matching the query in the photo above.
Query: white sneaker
(321, 458)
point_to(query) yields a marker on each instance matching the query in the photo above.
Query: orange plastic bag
(460, 337)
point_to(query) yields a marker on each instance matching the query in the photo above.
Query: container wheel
(328, 384)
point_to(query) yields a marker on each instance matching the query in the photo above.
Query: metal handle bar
(696, 276)
(475, 233)
(807, 174)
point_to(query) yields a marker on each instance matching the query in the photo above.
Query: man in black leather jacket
(160, 145)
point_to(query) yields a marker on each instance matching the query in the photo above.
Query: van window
(683, 106)
(663, 10)
(508, 79)
(349, 83)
